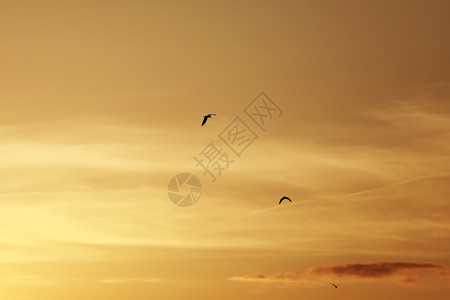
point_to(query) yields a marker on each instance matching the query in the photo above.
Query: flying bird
(284, 197)
(335, 286)
(206, 118)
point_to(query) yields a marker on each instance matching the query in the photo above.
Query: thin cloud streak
(323, 274)
(372, 270)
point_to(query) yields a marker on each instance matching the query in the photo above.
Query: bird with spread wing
(205, 118)
(284, 198)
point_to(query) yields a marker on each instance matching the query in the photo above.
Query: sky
(101, 106)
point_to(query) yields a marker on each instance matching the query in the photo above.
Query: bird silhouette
(284, 197)
(335, 285)
(206, 118)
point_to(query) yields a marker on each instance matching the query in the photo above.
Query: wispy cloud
(410, 271)
(372, 270)
(129, 280)
(283, 278)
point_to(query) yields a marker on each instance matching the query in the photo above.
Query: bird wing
(281, 200)
(289, 199)
(204, 120)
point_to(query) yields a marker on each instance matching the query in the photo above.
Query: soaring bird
(284, 197)
(335, 285)
(206, 118)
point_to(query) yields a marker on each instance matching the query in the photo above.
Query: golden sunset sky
(101, 105)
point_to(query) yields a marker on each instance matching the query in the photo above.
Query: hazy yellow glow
(101, 104)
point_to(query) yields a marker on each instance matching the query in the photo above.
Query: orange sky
(102, 103)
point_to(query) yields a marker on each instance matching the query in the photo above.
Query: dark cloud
(372, 270)
(362, 271)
